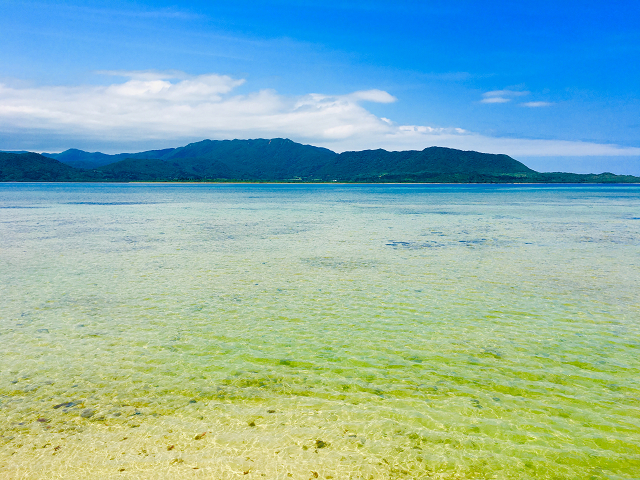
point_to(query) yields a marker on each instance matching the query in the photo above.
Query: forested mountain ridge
(369, 164)
(33, 167)
(277, 160)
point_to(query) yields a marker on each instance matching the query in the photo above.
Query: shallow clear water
(319, 331)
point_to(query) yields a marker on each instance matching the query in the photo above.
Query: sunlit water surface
(319, 331)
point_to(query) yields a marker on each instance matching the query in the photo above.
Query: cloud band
(175, 106)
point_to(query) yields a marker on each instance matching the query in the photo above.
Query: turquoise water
(319, 331)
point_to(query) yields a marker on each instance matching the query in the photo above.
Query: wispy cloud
(174, 107)
(495, 100)
(377, 96)
(144, 74)
(536, 104)
(502, 96)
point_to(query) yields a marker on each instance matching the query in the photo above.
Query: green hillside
(33, 167)
(81, 159)
(369, 165)
(148, 170)
(90, 160)
(261, 159)
(281, 159)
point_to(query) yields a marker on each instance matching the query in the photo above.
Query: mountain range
(281, 160)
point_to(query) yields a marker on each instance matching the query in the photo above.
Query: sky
(554, 84)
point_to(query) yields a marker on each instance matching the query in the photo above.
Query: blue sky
(553, 84)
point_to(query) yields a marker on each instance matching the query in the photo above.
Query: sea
(299, 331)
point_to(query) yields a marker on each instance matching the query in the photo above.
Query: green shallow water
(319, 331)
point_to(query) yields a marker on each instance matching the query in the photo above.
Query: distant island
(281, 160)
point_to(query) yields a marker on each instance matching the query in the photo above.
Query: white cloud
(504, 96)
(418, 137)
(536, 104)
(172, 108)
(501, 96)
(505, 93)
(378, 96)
(144, 74)
(495, 100)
